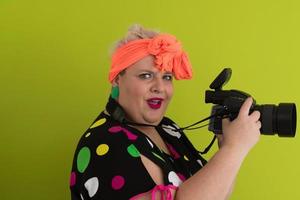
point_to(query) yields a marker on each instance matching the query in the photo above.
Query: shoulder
(105, 133)
(106, 153)
(105, 144)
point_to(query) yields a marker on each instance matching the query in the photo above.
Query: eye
(168, 77)
(145, 76)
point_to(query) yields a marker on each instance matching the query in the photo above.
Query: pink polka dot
(181, 177)
(117, 182)
(115, 129)
(130, 135)
(173, 151)
(72, 179)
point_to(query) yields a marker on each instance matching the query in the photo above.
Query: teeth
(154, 101)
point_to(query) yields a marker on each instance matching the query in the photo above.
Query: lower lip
(154, 106)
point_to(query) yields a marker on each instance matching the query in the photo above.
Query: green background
(54, 64)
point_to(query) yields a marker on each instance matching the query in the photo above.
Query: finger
(258, 123)
(245, 108)
(255, 115)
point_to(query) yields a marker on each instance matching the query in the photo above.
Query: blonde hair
(134, 32)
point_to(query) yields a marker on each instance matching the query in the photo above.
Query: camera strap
(117, 113)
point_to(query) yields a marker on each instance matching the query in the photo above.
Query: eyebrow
(149, 71)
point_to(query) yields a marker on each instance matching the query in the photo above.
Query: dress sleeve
(107, 165)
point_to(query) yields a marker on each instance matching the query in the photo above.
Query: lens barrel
(279, 119)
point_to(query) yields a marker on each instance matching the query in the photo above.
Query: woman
(131, 151)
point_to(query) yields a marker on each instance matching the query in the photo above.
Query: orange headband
(167, 50)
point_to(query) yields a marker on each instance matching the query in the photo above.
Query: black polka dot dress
(107, 163)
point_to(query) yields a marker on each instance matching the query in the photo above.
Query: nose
(157, 86)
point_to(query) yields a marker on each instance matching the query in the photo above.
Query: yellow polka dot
(98, 123)
(186, 158)
(88, 134)
(102, 149)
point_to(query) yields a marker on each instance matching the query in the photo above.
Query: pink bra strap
(162, 189)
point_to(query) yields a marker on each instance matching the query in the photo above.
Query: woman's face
(145, 91)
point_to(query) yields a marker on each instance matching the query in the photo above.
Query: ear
(115, 82)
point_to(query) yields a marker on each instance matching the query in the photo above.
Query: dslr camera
(275, 119)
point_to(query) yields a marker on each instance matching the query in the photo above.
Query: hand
(243, 132)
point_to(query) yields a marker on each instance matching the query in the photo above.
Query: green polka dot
(132, 150)
(83, 159)
(158, 156)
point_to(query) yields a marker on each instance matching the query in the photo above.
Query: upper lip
(155, 98)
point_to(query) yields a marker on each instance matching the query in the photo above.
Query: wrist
(236, 150)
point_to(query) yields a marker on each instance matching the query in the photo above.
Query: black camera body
(279, 119)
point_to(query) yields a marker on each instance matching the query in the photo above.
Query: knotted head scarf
(167, 50)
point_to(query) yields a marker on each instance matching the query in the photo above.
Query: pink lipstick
(154, 103)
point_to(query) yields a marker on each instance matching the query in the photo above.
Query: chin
(155, 120)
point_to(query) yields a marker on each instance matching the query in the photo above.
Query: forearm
(214, 181)
(230, 190)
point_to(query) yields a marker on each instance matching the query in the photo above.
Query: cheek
(170, 91)
(135, 92)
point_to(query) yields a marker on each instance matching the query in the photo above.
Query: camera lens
(279, 119)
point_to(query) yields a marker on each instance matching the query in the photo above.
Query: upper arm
(108, 168)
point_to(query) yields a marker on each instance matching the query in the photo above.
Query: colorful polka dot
(72, 179)
(174, 179)
(81, 197)
(200, 162)
(158, 156)
(91, 186)
(83, 159)
(171, 130)
(150, 142)
(182, 177)
(132, 150)
(117, 182)
(115, 129)
(186, 158)
(102, 149)
(98, 123)
(173, 152)
(88, 134)
(129, 135)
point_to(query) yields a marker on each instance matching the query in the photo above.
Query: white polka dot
(200, 163)
(91, 186)
(150, 142)
(172, 130)
(174, 179)
(81, 197)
